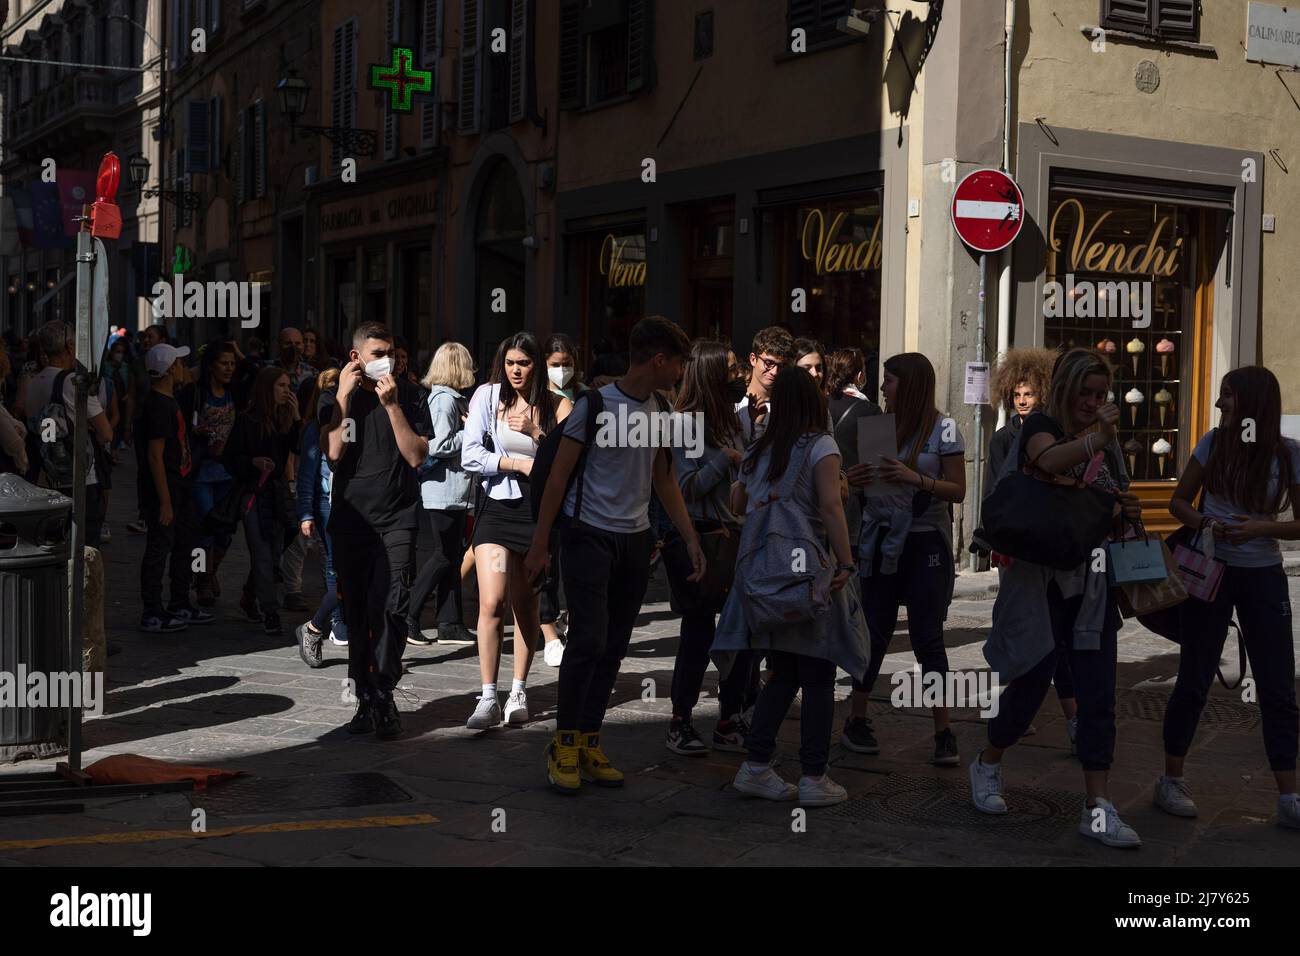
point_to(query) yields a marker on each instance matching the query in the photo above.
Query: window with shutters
(431, 59)
(393, 32)
(343, 98)
(214, 137)
(198, 132)
(606, 51)
(468, 78)
(1158, 19)
(816, 18)
(251, 177)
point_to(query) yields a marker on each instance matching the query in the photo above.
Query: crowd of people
(783, 562)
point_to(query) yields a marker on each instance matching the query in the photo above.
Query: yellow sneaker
(562, 762)
(595, 766)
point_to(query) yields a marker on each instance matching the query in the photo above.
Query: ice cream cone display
(1161, 449)
(1164, 348)
(1135, 348)
(1134, 399)
(1132, 448)
(1107, 347)
(1163, 398)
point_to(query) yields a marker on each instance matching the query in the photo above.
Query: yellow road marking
(153, 836)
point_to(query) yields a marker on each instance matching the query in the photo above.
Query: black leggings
(441, 545)
(790, 674)
(1263, 606)
(693, 661)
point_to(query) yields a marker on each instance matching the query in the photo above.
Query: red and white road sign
(988, 210)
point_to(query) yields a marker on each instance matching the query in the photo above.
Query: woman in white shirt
(507, 420)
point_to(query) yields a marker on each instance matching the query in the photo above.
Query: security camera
(857, 23)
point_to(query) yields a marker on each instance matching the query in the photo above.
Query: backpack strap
(56, 390)
(595, 405)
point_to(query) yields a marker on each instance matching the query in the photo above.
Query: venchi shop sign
(822, 244)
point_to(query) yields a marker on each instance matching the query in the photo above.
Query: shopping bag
(1200, 571)
(1145, 599)
(1135, 561)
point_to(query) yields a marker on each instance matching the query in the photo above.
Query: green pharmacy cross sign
(401, 79)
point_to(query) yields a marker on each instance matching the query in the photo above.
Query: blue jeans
(205, 494)
(330, 611)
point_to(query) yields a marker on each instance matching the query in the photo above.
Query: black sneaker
(945, 749)
(271, 624)
(162, 623)
(190, 614)
(682, 739)
(859, 737)
(730, 735)
(415, 634)
(363, 721)
(455, 634)
(309, 644)
(388, 722)
(248, 604)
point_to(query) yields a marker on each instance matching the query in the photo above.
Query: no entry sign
(988, 210)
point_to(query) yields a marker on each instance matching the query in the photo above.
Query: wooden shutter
(214, 137)
(259, 148)
(572, 61)
(431, 59)
(240, 171)
(392, 120)
(1177, 19)
(1132, 15)
(801, 14)
(518, 60)
(471, 23)
(640, 45)
(343, 98)
(198, 131)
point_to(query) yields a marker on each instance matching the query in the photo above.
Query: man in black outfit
(372, 432)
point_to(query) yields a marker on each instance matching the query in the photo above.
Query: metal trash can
(35, 527)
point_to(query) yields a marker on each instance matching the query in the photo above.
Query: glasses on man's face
(771, 365)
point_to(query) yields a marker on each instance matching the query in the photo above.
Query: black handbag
(228, 513)
(720, 545)
(1044, 522)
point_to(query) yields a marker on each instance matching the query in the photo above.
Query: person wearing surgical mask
(562, 367)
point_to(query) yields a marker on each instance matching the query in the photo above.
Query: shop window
(613, 268)
(827, 258)
(606, 51)
(1113, 266)
(1159, 19)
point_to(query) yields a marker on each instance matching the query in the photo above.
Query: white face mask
(560, 375)
(379, 368)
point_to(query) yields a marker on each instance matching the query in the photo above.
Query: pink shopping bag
(1200, 572)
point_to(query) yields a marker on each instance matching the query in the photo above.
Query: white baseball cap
(162, 357)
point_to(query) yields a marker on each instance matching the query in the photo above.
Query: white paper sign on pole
(977, 383)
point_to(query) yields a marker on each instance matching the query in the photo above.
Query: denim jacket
(314, 476)
(445, 485)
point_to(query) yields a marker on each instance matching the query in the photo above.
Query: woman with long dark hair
(1042, 613)
(810, 355)
(705, 479)
(1247, 475)
(846, 374)
(905, 547)
(258, 448)
(508, 418)
(214, 418)
(802, 656)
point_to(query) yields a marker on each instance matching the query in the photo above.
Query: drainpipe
(1004, 278)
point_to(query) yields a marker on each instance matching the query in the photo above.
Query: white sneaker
(1172, 796)
(763, 782)
(986, 787)
(1102, 823)
(487, 714)
(1288, 811)
(553, 653)
(517, 708)
(820, 791)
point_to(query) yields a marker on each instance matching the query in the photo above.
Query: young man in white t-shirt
(773, 350)
(606, 541)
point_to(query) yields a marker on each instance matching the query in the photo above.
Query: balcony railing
(75, 98)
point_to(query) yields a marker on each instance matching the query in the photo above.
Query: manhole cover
(1037, 815)
(1229, 716)
(246, 795)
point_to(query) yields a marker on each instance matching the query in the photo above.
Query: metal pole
(978, 478)
(77, 566)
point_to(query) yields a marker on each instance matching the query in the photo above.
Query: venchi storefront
(1157, 271)
(790, 237)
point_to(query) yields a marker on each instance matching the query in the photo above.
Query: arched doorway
(500, 256)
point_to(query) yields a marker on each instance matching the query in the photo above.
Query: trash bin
(34, 547)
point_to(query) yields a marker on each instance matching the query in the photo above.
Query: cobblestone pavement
(229, 696)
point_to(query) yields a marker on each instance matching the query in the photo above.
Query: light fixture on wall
(857, 23)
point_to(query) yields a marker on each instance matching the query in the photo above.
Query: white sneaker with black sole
(1102, 823)
(191, 615)
(517, 708)
(486, 715)
(1173, 797)
(763, 782)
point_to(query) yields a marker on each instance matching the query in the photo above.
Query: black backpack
(546, 451)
